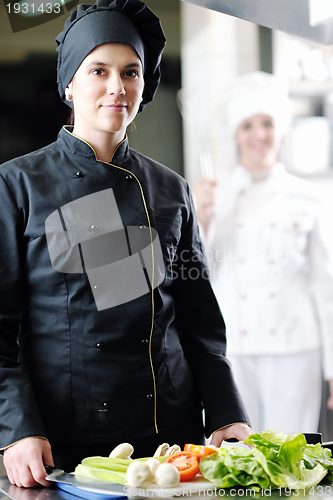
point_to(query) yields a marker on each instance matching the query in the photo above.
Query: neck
(104, 144)
(259, 175)
(259, 171)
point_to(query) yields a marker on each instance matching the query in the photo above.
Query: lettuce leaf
(275, 460)
(315, 454)
(86, 472)
(234, 466)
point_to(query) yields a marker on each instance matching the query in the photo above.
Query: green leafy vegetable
(234, 466)
(115, 464)
(275, 460)
(112, 470)
(86, 472)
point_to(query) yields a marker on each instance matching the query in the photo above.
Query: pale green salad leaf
(234, 466)
(276, 460)
(86, 472)
(112, 470)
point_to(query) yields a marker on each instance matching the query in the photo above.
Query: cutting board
(198, 486)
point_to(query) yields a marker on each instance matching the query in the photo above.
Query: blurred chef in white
(270, 264)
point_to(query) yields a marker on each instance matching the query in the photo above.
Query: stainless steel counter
(323, 491)
(15, 493)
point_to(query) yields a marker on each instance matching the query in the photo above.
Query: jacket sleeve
(19, 415)
(321, 283)
(199, 319)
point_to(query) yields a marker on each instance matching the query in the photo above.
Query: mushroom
(153, 463)
(172, 449)
(167, 475)
(161, 450)
(139, 475)
(123, 450)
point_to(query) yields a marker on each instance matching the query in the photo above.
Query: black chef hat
(120, 21)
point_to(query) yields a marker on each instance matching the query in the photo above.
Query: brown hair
(70, 120)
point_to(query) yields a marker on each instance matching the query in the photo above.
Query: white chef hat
(256, 93)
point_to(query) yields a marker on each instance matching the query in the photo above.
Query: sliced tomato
(186, 462)
(201, 450)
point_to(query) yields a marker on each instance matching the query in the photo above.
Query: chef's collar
(74, 144)
(246, 177)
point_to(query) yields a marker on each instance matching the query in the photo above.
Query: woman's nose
(116, 85)
(260, 132)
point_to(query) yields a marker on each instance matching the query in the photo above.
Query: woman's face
(106, 90)
(259, 142)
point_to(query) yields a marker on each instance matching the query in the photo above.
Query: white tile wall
(215, 49)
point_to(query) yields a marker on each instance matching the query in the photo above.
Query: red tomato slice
(201, 450)
(186, 462)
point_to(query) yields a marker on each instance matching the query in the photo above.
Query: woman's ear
(68, 92)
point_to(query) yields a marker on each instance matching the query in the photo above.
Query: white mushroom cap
(123, 450)
(153, 463)
(139, 475)
(167, 475)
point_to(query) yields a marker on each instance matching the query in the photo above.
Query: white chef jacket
(270, 266)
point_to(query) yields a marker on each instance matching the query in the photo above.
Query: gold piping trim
(80, 139)
(153, 263)
(152, 288)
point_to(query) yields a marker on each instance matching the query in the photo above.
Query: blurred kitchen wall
(216, 48)
(31, 112)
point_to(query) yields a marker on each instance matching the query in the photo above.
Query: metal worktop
(322, 491)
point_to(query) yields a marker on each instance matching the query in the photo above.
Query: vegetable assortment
(276, 460)
(273, 460)
(187, 463)
(120, 468)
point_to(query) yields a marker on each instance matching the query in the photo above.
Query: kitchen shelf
(309, 88)
(321, 175)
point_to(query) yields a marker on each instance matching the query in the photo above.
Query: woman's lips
(259, 147)
(117, 108)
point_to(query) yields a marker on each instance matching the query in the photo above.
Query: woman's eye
(131, 72)
(98, 71)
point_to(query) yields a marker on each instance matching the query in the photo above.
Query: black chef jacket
(75, 374)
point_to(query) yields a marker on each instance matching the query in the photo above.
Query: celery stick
(115, 464)
(111, 476)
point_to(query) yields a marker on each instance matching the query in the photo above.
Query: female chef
(102, 339)
(269, 263)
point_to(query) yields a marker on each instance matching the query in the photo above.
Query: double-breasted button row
(79, 174)
(100, 345)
